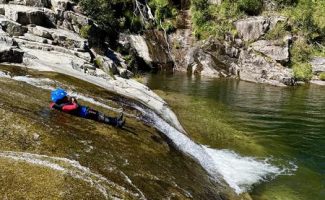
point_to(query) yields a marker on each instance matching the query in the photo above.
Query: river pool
(284, 125)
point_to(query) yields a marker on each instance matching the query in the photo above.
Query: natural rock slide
(44, 35)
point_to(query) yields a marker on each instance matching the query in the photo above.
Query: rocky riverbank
(259, 49)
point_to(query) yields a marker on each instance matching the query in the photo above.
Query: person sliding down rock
(61, 101)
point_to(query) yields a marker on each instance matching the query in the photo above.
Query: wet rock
(318, 65)
(252, 28)
(257, 68)
(278, 50)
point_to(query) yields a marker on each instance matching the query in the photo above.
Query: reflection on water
(289, 123)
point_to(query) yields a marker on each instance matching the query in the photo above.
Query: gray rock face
(252, 28)
(277, 50)
(59, 36)
(318, 65)
(37, 3)
(257, 68)
(59, 5)
(152, 48)
(11, 27)
(74, 21)
(25, 15)
(41, 32)
(34, 38)
(114, 66)
(211, 59)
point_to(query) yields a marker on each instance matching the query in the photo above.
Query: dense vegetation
(130, 15)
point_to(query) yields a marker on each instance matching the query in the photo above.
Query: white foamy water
(4, 75)
(240, 173)
(74, 169)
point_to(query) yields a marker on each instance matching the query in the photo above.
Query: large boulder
(74, 21)
(212, 58)
(204, 64)
(30, 15)
(318, 65)
(61, 37)
(152, 48)
(252, 28)
(257, 68)
(278, 50)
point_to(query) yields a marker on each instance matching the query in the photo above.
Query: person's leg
(100, 117)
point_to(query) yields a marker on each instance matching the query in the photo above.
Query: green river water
(286, 125)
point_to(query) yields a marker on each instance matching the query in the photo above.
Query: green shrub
(251, 7)
(162, 9)
(214, 20)
(322, 76)
(279, 31)
(168, 26)
(302, 71)
(307, 19)
(84, 31)
(98, 62)
(282, 3)
(300, 55)
(301, 51)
